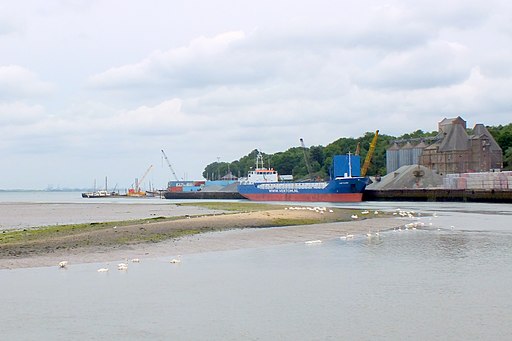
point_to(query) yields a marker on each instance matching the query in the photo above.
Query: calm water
(66, 197)
(450, 282)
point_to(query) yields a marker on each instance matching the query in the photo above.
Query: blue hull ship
(345, 184)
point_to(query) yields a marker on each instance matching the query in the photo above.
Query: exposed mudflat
(200, 230)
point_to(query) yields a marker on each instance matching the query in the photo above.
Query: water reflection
(450, 245)
(411, 284)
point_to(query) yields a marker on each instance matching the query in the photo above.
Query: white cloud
(18, 82)
(15, 114)
(103, 89)
(438, 64)
(199, 64)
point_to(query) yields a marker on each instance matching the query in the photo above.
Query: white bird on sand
(63, 264)
(135, 260)
(347, 236)
(122, 266)
(313, 241)
(369, 234)
(365, 212)
(176, 260)
(103, 270)
(354, 216)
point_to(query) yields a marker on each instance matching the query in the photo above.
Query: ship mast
(349, 164)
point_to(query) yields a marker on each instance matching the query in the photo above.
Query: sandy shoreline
(24, 215)
(239, 230)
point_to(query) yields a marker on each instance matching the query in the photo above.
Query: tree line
(292, 161)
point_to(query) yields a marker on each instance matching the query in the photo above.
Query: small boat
(98, 194)
(345, 184)
(101, 193)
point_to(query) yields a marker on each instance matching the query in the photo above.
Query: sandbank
(230, 231)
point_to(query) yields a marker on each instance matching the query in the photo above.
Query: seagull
(313, 242)
(103, 270)
(63, 264)
(354, 216)
(135, 260)
(122, 266)
(176, 260)
(347, 236)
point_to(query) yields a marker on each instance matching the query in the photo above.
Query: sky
(94, 89)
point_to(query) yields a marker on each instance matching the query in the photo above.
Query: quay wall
(458, 195)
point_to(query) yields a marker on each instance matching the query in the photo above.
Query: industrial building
(453, 150)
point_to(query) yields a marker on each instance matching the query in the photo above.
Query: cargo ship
(345, 184)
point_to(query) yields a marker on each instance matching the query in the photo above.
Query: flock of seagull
(121, 266)
(399, 212)
(348, 236)
(317, 209)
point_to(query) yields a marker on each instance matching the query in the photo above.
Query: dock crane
(170, 167)
(369, 155)
(136, 191)
(306, 158)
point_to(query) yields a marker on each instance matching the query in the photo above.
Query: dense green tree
(507, 159)
(292, 161)
(418, 134)
(503, 136)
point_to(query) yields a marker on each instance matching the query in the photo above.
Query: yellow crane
(369, 155)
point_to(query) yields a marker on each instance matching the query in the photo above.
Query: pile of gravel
(413, 176)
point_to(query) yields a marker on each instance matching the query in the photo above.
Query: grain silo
(405, 155)
(392, 158)
(417, 150)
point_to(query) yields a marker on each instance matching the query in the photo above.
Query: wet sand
(221, 232)
(24, 215)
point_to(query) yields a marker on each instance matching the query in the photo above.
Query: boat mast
(349, 165)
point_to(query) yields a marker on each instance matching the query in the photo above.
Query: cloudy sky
(90, 89)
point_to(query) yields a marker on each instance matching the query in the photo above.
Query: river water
(449, 281)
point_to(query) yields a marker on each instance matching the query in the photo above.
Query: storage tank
(392, 158)
(405, 155)
(417, 150)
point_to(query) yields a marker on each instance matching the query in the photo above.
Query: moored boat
(98, 194)
(345, 184)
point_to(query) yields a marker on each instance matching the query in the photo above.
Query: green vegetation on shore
(34, 233)
(292, 161)
(49, 239)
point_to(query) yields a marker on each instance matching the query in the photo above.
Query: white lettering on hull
(292, 187)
